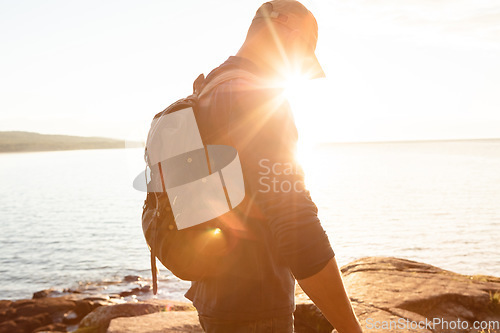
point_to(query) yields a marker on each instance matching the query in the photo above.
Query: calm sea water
(72, 219)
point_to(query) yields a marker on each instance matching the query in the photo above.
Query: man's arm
(327, 291)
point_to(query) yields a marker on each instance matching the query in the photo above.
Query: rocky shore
(388, 295)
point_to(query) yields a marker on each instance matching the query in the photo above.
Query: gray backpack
(190, 252)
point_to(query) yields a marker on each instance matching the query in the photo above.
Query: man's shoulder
(249, 88)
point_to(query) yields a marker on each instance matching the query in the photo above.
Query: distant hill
(29, 141)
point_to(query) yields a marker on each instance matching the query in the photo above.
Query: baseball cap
(295, 16)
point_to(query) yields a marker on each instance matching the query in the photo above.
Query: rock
(9, 326)
(54, 306)
(4, 309)
(43, 293)
(391, 289)
(136, 291)
(402, 293)
(84, 307)
(39, 313)
(71, 291)
(181, 317)
(166, 305)
(28, 324)
(385, 292)
(97, 298)
(70, 318)
(51, 328)
(308, 318)
(160, 322)
(4, 304)
(131, 278)
(99, 318)
(22, 302)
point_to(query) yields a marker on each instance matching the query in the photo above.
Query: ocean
(71, 220)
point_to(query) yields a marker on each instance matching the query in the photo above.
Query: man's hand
(327, 291)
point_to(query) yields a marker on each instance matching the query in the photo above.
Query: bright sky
(397, 69)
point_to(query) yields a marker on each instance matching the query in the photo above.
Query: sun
(294, 85)
(308, 100)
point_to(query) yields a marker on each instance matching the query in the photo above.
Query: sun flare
(307, 100)
(294, 84)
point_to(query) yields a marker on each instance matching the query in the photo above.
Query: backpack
(188, 243)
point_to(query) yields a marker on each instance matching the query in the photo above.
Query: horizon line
(315, 144)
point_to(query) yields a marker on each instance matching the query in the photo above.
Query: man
(284, 240)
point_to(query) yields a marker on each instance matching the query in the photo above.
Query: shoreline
(172, 287)
(382, 290)
(68, 149)
(26, 142)
(125, 287)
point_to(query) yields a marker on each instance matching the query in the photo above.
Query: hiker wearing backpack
(245, 248)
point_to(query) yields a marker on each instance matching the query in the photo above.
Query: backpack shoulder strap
(224, 77)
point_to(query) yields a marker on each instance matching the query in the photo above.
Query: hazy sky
(397, 69)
